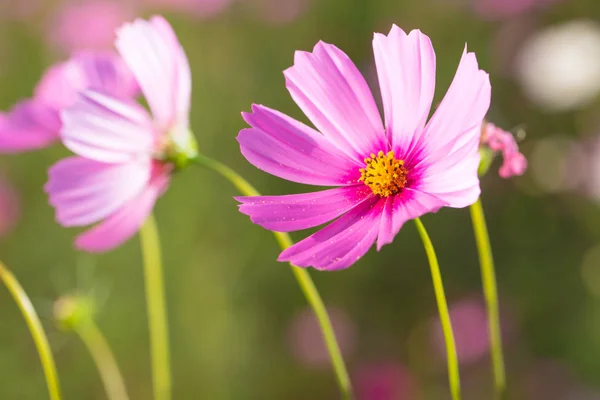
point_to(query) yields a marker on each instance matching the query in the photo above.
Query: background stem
(157, 312)
(302, 277)
(104, 359)
(488, 277)
(440, 297)
(36, 330)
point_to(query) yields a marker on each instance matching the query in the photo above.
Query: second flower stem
(302, 277)
(104, 359)
(440, 296)
(488, 277)
(157, 310)
(36, 330)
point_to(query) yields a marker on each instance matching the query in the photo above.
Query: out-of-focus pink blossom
(498, 140)
(469, 322)
(34, 123)
(9, 205)
(499, 9)
(306, 340)
(87, 25)
(124, 154)
(196, 8)
(384, 381)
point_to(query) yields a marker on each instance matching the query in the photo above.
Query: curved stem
(104, 359)
(488, 277)
(36, 329)
(302, 277)
(438, 287)
(157, 311)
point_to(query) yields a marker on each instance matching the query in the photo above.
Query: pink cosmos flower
(498, 140)
(124, 155)
(385, 380)
(35, 123)
(384, 175)
(87, 25)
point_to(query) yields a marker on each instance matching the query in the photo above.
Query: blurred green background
(238, 321)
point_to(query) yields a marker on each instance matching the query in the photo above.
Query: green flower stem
(438, 287)
(488, 276)
(104, 359)
(302, 276)
(36, 329)
(157, 311)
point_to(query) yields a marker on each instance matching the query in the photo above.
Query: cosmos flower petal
(84, 191)
(399, 209)
(333, 94)
(152, 52)
(29, 125)
(406, 70)
(461, 112)
(454, 178)
(291, 150)
(102, 71)
(105, 129)
(125, 222)
(341, 243)
(449, 167)
(302, 211)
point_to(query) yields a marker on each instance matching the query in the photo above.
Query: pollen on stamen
(384, 174)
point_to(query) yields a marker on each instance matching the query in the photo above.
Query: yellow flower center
(384, 174)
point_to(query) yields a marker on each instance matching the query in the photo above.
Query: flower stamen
(384, 174)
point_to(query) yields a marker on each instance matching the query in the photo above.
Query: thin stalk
(488, 277)
(302, 277)
(104, 359)
(157, 311)
(36, 330)
(440, 297)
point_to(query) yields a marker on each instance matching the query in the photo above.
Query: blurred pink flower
(384, 381)
(469, 322)
(87, 25)
(306, 340)
(9, 205)
(499, 140)
(499, 9)
(124, 155)
(35, 123)
(198, 8)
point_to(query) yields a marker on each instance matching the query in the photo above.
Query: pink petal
(290, 150)
(87, 24)
(102, 71)
(333, 94)
(463, 108)
(406, 70)
(407, 205)
(85, 191)
(125, 222)
(301, 211)
(514, 164)
(341, 243)
(158, 62)
(30, 125)
(106, 129)
(448, 156)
